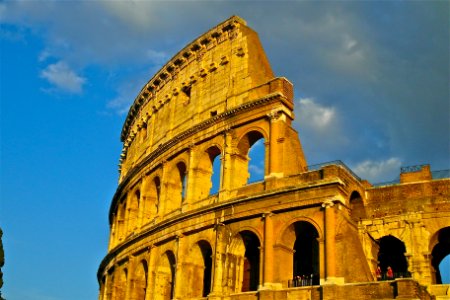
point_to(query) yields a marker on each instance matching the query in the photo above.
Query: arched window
(157, 187)
(392, 254)
(357, 209)
(165, 277)
(133, 213)
(139, 288)
(182, 172)
(306, 255)
(121, 211)
(197, 271)
(250, 278)
(216, 165)
(250, 166)
(121, 285)
(176, 187)
(441, 256)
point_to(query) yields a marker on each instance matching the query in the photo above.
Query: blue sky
(371, 89)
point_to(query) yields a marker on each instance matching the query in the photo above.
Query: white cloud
(63, 77)
(316, 115)
(378, 171)
(257, 170)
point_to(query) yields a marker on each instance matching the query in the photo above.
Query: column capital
(328, 203)
(267, 214)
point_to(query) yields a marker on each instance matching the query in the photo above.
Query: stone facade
(315, 232)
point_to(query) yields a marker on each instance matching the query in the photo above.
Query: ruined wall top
(222, 69)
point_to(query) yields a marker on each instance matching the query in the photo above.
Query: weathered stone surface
(172, 239)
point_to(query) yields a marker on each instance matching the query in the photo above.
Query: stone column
(268, 251)
(130, 279)
(151, 272)
(330, 243)
(178, 286)
(217, 274)
(226, 165)
(275, 148)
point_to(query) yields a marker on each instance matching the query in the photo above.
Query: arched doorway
(140, 281)
(196, 270)
(440, 252)
(250, 278)
(357, 209)
(392, 254)
(306, 255)
(207, 266)
(165, 277)
(249, 166)
(121, 285)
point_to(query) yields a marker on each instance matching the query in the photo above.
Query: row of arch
(391, 254)
(168, 188)
(243, 264)
(242, 268)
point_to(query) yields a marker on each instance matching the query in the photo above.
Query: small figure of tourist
(390, 273)
(378, 273)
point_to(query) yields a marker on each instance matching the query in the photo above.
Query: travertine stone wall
(172, 238)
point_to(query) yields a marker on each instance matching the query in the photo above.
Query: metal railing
(299, 281)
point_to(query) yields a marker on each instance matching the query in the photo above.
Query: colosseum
(186, 222)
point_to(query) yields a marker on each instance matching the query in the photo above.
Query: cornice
(165, 74)
(216, 207)
(188, 133)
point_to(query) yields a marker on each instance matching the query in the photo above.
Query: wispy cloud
(62, 77)
(378, 171)
(316, 115)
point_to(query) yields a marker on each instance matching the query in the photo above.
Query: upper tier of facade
(221, 70)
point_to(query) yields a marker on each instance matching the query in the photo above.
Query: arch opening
(121, 286)
(207, 267)
(216, 166)
(251, 263)
(182, 172)
(441, 257)
(358, 211)
(306, 255)
(391, 255)
(251, 165)
(133, 212)
(165, 277)
(140, 281)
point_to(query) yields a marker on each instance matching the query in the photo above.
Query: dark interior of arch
(182, 170)
(207, 260)
(358, 210)
(306, 251)
(392, 253)
(251, 261)
(440, 251)
(172, 263)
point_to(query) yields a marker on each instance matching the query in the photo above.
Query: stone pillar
(130, 280)
(178, 285)
(226, 165)
(275, 148)
(151, 272)
(191, 174)
(217, 274)
(268, 251)
(330, 243)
